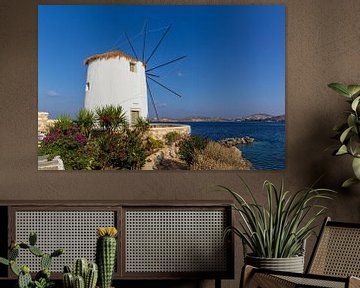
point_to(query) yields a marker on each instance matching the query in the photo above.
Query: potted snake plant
(348, 132)
(274, 234)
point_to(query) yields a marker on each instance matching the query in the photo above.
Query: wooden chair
(335, 262)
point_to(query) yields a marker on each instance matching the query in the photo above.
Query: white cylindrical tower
(114, 78)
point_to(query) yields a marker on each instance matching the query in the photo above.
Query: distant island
(261, 117)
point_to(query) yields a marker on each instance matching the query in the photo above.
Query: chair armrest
(252, 277)
(354, 282)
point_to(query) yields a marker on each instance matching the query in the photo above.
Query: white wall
(112, 83)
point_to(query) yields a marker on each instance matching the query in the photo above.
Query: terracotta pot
(291, 264)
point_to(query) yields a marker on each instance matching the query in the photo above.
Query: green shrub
(63, 122)
(111, 117)
(189, 145)
(154, 144)
(218, 157)
(70, 145)
(172, 137)
(85, 120)
(118, 146)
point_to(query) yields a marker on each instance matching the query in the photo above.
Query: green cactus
(80, 267)
(91, 276)
(44, 273)
(67, 269)
(57, 252)
(24, 245)
(36, 251)
(14, 268)
(32, 238)
(24, 280)
(87, 272)
(13, 253)
(45, 261)
(79, 282)
(42, 278)
(105, 255)
(68, 280)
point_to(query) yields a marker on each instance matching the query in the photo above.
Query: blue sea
(268, 150)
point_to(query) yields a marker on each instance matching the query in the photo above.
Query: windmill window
(132, 66)
(87, 87)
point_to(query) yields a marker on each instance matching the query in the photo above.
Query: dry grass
(218, 157)
(108, 55)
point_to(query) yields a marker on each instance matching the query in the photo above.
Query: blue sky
(235, 62)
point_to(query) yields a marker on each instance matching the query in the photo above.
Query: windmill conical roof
(108, 55)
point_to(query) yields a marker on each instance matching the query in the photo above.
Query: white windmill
(115, 78)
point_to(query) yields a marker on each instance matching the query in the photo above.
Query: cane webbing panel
(338, 252)
(74, 231)
(175, 241)
(313, 282)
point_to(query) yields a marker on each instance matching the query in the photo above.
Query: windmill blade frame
(162, 85)
(166, 63)
(158, 44)
(152, 100)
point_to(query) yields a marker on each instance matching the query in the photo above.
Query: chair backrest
(337, 251)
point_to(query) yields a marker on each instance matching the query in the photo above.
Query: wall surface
(322, 46)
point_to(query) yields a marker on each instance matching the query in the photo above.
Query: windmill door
(134, 116)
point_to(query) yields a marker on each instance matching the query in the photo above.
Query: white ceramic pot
(291, 264)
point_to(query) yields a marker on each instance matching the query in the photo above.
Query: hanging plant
(349, 131)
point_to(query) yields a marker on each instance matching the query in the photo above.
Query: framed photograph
(161, 87)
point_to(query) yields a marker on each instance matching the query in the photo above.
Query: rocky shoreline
(230, 142)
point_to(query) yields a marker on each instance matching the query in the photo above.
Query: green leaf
(356, 167)
(353, 89)
(4, 261)
(349, 182)
(342, 150)
(340, 88)
(355, 103)
(354, 145)
(351, 120)
(345, 134)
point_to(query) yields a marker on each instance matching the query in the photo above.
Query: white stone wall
(159, 131)
(110, 82)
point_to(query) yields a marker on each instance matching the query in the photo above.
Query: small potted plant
(349, 131)
(106, 254)
(42, 278)
(276, 233)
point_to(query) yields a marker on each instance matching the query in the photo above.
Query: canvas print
(161, 87)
